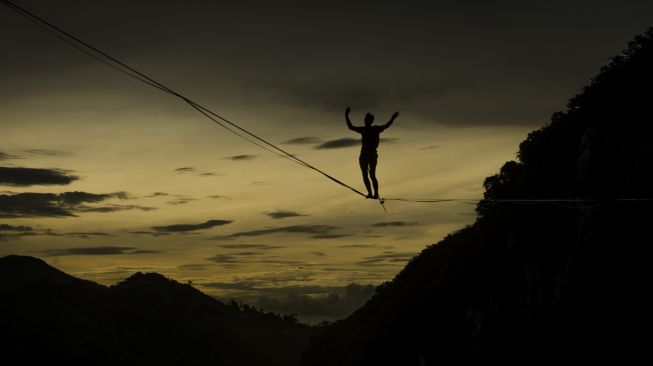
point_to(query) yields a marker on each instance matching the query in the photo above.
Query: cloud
(6, 236)
(389, 140)
(17, 232)
(41, 152)
(87, 234)
(430, 147)
(14, 232)
(185, 170)
(330, 303)
(78, 197)
(366, 95)
(357, 246)
(32, 205)
(394, 224)
(249, 246)
(143, 251)
(329, 236)
(225, 259)
(387, 258)
(6, 227)
(181, 201)
(339, 143)
(5, 156)
(109, 250)
(247, 253)
(253, 257)
(194, 171)
(114, 208)
(281, 214)
(145, 232)
(278, 281)
(367, 246)
(294, 229)
(349, 142)
(362, 78)
(311, 303)
(177, 228)
(307, 140)
(242, 157)
(78, 234)
(47, 152)
(59, 205)
(240, 285)
(438, 101)
(158, 194)
(194, 266)
(23, 177)
(217, 196)
(281, 262)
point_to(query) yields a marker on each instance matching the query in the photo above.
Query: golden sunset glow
(285, 73)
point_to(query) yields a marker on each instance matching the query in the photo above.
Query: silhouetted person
(370, 139)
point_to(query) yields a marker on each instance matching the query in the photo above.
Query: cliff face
(532, 283)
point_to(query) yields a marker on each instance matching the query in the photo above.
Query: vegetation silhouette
(370, 142)
(532, 284)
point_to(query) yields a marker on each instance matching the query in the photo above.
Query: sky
(103, 176)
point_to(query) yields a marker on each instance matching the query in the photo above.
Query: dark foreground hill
(540, 283)
(49, 317)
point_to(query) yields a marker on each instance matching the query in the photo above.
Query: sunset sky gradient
(176, 194)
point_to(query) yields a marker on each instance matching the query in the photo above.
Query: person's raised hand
(347, 110)
(395, 115)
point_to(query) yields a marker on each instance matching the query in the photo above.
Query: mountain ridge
(145, 319)
(19, 271)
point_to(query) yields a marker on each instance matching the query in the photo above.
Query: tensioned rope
(561, 202)
(241, 132)
(41, 23)
(120, 66)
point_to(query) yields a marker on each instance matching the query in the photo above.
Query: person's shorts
(367, 159)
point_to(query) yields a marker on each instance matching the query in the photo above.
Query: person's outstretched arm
(351, 127)
(392, 119)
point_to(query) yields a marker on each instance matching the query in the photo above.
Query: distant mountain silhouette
(47, 316)
(533, 283)
(20, 271)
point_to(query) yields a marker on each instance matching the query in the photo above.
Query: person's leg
(375, 183)
(364, 169)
